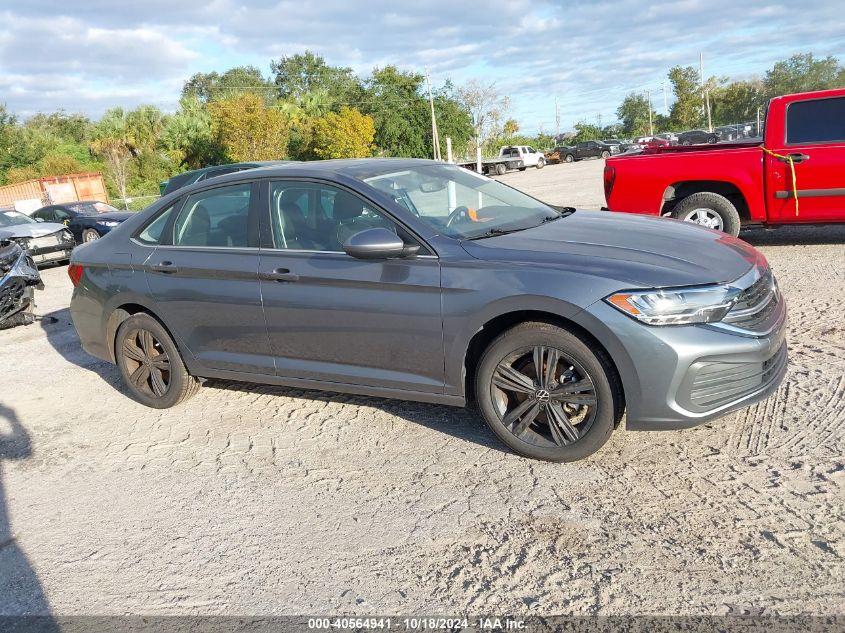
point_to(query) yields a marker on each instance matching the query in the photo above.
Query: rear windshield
(91, 208)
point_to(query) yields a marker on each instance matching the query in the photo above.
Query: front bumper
(59, 250)
(681, 376)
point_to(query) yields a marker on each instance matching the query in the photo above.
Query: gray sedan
(422, 281)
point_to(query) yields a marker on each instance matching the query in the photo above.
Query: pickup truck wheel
(541, 163)
(569, 158)
(605, 154)
(710, 210)
(500, 169)
(546, 394)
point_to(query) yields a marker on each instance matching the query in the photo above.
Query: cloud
(587, 54)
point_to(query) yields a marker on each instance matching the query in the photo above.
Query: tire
(179, 385)
(569, 158)
(605, 154)
(541, 163)
(90, 235)
(697, 204)
(500, 169)
(712, 140)
(590, 424)
(523, 168)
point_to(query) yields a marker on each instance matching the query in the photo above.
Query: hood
(38, 229)
(639, 251)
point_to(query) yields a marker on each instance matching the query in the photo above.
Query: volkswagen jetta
(423, 281)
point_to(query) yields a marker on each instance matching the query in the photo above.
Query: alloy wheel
(147, 363)
(706, 217)
(543, 397)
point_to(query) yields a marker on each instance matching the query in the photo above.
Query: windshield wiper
(495, 232)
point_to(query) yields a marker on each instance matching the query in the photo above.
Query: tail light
(74, 271)
(609, 179)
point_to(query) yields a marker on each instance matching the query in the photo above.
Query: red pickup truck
(730, 185)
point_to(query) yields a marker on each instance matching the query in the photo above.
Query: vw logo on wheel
(543, 396)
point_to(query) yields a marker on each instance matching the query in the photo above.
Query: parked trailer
(491, 166)
(34, 194)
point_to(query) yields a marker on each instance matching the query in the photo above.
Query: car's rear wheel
(150, 364)
(547, 394)
(90, 235)
(711, 210)
(541, 163)
(500, 169)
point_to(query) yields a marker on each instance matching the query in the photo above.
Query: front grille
(718, 383)
(756, 309)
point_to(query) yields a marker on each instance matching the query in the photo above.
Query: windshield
(14, 218)
(460, 203)
(91, 208)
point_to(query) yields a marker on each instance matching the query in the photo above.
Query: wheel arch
(676, 192)
(493, 327)
(125, 310)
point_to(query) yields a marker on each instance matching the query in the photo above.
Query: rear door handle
(796, 158)
(281, 274)
(165, 267)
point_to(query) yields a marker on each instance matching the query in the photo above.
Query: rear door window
(151, 234)
(816, 121)
(216, 217)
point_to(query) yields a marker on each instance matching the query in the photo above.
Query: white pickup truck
(530, 156)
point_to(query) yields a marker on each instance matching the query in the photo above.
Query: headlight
(108, 223)
(676, 306)
(67, 236)
(23, 242)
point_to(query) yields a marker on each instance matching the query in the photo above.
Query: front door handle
(165, 267)
(281, 274)
(796, 158)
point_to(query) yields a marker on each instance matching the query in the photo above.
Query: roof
(352, 167)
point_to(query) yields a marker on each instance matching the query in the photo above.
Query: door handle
(166, 267)
(796, 158)
(281, 274)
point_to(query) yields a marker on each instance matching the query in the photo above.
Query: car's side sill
(339, 387)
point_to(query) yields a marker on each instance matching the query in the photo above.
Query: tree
(401, 115)
(586, 132)
(248, 129)
(486, 107)
(113, 141)
(633, 113)
(299, 75)
(737, 102)
(686, 112)
(510, 128)
(346, 134)
(211, 86)
(802, 73)
(187, 136)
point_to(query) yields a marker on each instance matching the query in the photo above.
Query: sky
(86, 56)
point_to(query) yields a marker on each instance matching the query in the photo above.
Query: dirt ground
(266, 500)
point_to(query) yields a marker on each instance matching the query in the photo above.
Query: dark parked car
(697, 137)
(198, 175)
(88, 220)
(589, 149)
(45, 242)
(420, 280)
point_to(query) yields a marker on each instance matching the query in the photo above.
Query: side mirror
(39, 219)
(378, 243)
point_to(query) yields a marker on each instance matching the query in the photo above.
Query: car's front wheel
(547, 394)
(90, 235)
(605, 154)
(569, 158)
(150, 364)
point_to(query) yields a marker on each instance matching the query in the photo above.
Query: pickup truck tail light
(74, 271)
(609, 179)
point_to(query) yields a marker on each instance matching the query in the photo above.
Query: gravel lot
(266, 500)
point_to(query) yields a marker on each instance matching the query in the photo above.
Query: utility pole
(650, 123)
(557, 120)
(435, 139)
(758, 122)
(705, 95)
(665, 100)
